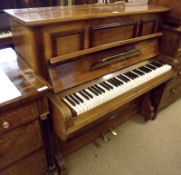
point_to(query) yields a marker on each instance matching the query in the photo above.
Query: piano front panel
(73, 73)
(109, 33)
(64, 38)
(148, 26)
(76, 37)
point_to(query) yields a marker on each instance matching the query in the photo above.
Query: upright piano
(103, 62)
(5, 32)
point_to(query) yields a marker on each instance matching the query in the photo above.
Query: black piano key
(151, 66)
(118, 81)
(105, 86)
(159, 62)
(123, 78)
(97, 90)
(101, 89)
(113, 83)
(74, 99)
(144, 69)
(70, 101)
(93, 91)
(128, 74)
(156, 64)
(111, 87)
(138, 72)
(87, 93)
(84, 95)
(78, 98)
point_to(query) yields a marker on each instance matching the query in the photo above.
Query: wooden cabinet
(171, 41)
(171, 47)
(24, 129)
(175, 10)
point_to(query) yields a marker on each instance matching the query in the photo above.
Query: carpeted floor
(152, 148)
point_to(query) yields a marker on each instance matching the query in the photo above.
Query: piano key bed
(86, 99)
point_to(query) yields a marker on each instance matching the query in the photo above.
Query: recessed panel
(67, 42)
(110, 33)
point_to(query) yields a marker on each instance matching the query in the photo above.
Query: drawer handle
(6, 124)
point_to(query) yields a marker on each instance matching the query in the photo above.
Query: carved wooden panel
(109, 33)
(148, 26)
(20, 142)
(33, 164)
(67, 41)
(18, 116)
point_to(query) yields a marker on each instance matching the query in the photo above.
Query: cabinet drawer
(17, 117)
(22, 141)
(37, 162)
(172, 92)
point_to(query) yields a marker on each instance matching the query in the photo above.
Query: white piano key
(117, 90)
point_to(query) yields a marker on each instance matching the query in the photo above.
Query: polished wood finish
(171, 41)
(65, 43)
(175, 9)
(91, 116)
(22, 120)
(33, 164)
(52, 14)
(171, 47)
(80, 70)
(52, 28)
(115, 119)
(71, 56)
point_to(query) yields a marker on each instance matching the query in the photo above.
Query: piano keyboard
(97, 94)
(5, 34)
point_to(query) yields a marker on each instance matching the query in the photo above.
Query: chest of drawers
(25, 147)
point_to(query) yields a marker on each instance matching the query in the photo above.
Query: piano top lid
(47, 15)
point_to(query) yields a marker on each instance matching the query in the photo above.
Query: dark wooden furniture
(171, 47)
(174, 16)
(74, 47)
(24, 128)
(5, 32)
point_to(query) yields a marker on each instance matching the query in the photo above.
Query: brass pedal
(104, 137)
(113, 132)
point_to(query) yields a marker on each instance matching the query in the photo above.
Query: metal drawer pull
(6, 124)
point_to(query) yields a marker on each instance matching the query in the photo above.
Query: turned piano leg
(147, 108)
(61, 164)
(151, 102)
(59, 158)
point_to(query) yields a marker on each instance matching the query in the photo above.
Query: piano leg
(60, 160)
(147, 108)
